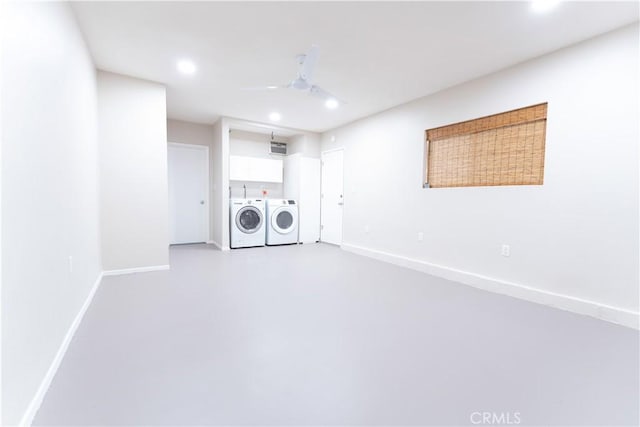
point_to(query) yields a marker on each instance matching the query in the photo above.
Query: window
(501, 149)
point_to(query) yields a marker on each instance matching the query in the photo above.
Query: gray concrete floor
(314, 335)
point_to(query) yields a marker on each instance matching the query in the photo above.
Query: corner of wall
(133, 161)
(3, 13)
(218, 182)
(56, 167)
(597, 310)
(225, 182)
(564, 229)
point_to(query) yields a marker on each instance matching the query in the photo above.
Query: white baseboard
(35, 403)
(214, 243)
(136, 270)
(609, 313)
(218, 245)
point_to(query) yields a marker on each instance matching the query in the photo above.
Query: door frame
(322, 153)
(207, 186)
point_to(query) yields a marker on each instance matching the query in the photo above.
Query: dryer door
(283, 220)
(249, 219)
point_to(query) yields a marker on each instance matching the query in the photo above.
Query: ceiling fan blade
(306, 67)
(308, 63)
(271, 87)
(317, 91)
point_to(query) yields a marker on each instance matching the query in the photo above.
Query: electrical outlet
(420, 236)
(366, 229)
(70, 264)
(506, 250)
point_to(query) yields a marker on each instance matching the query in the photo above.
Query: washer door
(283, 220)
(249, 219)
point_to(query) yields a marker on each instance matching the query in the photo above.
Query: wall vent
(279, 148)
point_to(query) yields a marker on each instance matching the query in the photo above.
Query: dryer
(247, 223)
(282, 222)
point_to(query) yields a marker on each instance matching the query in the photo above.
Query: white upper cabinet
(255, 169)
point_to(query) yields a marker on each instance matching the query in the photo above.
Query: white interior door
(332, 199)
(188, 193)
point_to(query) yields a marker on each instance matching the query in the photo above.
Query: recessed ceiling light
(331, 103)
(186, 67)
(274, 117)
(272, 87)
(541, 6)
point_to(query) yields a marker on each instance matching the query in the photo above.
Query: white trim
(35, 403)
(214, 243)
(609, 313)
(136, 270)
(241, 125)
(331, 151)
(218, 245)
(183, 145)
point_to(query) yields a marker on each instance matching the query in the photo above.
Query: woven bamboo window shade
(501, 149)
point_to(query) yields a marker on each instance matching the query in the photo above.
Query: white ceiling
(373, 55)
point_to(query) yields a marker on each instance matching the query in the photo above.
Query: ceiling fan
(304, 80)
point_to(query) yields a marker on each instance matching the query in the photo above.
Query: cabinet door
(266, 170)
(238, 168)
(255, 169)
(291, 184)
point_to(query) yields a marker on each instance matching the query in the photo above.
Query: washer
(247, 223)
(282, 222)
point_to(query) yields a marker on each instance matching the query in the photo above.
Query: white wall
(3, 28)
(219, 186)
(577, 235)
(251, 144)
(189, 133)
(197, 134)
(306, 143)
(49, 191)
(132, 132)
